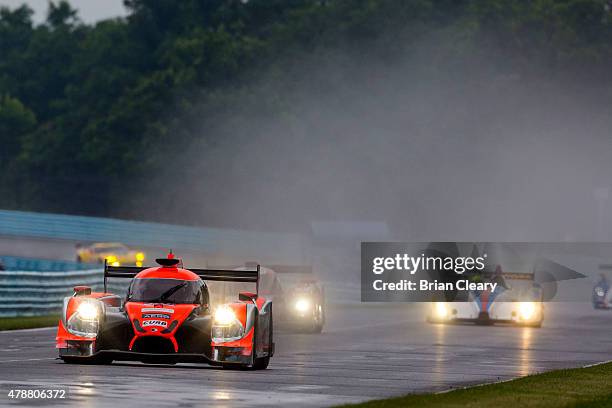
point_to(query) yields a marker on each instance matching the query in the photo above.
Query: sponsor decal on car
(161, 323)
(156, 316)
(157, 310)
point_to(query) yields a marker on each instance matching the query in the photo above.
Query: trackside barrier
(16, 263)
(35, 293)
(32, 293)
(283, 247)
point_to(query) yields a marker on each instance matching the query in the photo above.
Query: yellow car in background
(115, 253)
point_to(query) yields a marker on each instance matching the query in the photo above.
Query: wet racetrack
(364, 353)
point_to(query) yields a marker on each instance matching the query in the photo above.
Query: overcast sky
(89, 10)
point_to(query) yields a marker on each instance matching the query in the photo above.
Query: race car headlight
(302, 305)
(87, 311)
(527, 310)
(599, 291)
(224, 316)
(85, 321)
(226, 326)
(441, 310)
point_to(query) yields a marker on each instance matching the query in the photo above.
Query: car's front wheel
(261, 363)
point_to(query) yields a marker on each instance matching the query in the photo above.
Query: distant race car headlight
(302, 305)
(140, 256)
(85, 321)
(441, 310)
(226, 326)
(599, 291)
(527, 310)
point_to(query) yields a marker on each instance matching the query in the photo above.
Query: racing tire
(103, 361)
(318, 324)
(261, 363)
(72, 360)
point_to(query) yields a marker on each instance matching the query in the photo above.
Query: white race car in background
(517, 299)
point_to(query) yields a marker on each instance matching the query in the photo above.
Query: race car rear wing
(225, 275)
(511, 275)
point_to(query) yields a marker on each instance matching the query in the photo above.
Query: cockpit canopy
(159, 290)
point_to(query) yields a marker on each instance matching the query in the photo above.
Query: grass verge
(16, 323)
(577, 388)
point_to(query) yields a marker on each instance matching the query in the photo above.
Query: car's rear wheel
(321, 322)
(72, 360)
(318, 321)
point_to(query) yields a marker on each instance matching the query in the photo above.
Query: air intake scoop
(169, 261)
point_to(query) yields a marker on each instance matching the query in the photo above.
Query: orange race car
(167, 318)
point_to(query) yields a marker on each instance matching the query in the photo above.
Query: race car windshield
(164, 291)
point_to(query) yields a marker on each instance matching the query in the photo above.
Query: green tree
(16, 120)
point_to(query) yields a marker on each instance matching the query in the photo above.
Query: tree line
(88, 111)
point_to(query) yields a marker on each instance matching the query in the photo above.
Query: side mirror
(247, 296)
(82, 290)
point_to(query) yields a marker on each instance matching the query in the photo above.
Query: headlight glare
(302, 305)
(87, 311)
(527, 310)
(224, 316)
(441, 310)
(226, 326)
(85, 321)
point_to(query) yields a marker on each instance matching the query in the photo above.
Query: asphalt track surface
(364, 353)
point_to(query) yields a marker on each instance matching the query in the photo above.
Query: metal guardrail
(16, 263)
(285, 247)
(37, 287)
(34, 293)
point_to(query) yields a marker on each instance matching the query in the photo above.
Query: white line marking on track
(304, 387)
(27, 359)
(28, 330)
(596, 364)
